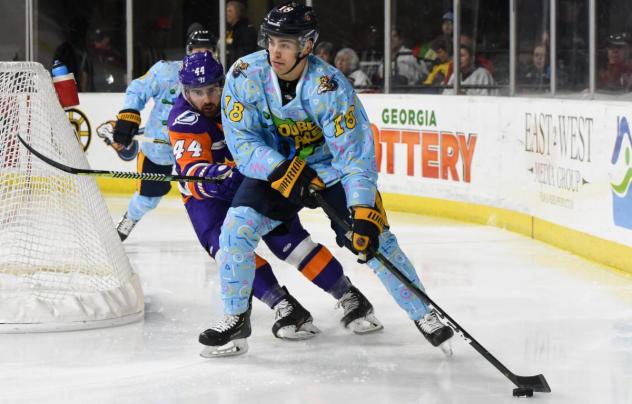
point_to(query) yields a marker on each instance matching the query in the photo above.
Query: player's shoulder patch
(188, 118)
(239, 68)
(248, 65)
(327, 83)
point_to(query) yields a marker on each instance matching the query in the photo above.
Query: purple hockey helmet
(200, 69)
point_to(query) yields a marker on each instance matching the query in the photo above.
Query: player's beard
(210, 110)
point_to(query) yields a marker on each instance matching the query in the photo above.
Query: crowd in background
(428, 67)
(425, 66)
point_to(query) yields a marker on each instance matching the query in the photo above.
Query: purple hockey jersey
(197, 141)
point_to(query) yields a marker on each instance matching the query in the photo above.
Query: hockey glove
(227, 185)
(293, 179)
(127, 122)
(368, 224)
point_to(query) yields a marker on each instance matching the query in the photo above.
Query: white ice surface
(536, 308)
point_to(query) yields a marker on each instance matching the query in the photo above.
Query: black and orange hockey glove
(127, 122)
(293, 179)
(368, 224)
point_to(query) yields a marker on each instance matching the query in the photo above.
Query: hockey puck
(522, 392)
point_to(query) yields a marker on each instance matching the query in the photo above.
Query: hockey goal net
(62, 266)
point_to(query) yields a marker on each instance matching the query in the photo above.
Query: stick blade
(536, 383)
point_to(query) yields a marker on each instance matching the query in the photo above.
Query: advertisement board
(567, 162)
(563, 161)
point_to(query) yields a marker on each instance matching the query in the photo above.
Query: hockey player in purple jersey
(292, 123)
(161, 84)
(199, 149)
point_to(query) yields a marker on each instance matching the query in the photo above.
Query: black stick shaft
(118, 174)
(520, 381)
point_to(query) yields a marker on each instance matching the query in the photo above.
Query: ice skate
(358, 313)
(293, 321)
(125, 226)
(227, 337)
(437, 333)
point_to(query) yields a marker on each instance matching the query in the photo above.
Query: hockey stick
(146, 139)
(121, 174)
(106, 129)
(126, 153)
(534, 383)
(140, 136)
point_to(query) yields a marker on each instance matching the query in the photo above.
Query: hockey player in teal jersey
(200, 149)
(161, 84)
(293, 122)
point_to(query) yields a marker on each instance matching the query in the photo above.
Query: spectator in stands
(439, 72)
(536, 76)
(480, 59)
(106, 68)
(472, 75)
(447, 25)
(347, 62)
(616, 75)
(447, 29)
(426, 53)
(241, 36)
(406, 70)
(325, 51)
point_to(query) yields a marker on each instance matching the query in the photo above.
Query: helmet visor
(210, 90)
(265, 33)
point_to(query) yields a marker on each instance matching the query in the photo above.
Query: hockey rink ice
(538, 309)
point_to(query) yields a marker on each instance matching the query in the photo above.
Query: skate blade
(365, 325)
(233, 348)
(446, 348)
(306, 331)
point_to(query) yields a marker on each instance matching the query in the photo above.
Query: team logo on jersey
(305, 134)
(187, 118)
(327, 83)
(239, 68)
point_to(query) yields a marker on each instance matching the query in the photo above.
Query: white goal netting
(62, 265)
